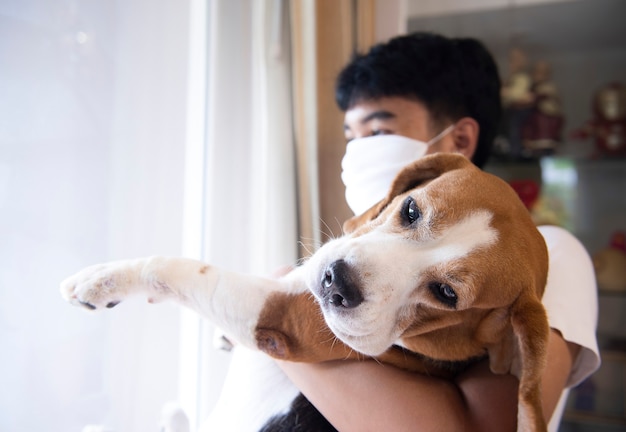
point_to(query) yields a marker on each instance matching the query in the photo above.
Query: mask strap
(443, 133)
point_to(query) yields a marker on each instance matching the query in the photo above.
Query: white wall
(92, 121)
(419, 8)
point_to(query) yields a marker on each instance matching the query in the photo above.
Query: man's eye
(410, 212)
(380, 132)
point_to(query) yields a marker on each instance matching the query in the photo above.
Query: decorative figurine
(542, 131)
(610, 264)
(608, 125)
(517, 101)
(544, 210)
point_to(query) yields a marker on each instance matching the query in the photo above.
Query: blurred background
(180, 127)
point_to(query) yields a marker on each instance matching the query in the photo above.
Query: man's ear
(465, 136)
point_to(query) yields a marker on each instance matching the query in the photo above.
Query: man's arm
(368, 396)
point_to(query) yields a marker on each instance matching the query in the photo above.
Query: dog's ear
(522, 352)
(372, 213)
(410, 177)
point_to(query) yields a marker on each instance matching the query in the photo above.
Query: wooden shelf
(607, 293)
(593, 418)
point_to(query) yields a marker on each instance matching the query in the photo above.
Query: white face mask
(371, 163)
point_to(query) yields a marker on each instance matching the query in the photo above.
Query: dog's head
(440, 266)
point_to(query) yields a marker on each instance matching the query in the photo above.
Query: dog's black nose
(340, 287)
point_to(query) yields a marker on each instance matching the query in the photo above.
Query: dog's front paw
(97, 287)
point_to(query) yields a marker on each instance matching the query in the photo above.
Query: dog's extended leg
(232, 301)
(278, 316)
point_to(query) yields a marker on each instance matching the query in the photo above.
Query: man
(445, 95)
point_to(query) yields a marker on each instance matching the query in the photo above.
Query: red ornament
(618, 240)
(528, 191)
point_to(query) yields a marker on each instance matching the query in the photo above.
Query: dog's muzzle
(339, 287)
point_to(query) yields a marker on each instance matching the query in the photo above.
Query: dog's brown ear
(523, 353)
(372, 213)
(411, 176)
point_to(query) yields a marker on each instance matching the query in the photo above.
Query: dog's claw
(112, 304)
(87, 305)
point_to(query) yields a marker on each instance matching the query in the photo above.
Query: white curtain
(250, 165)
(92, 131)
(246, 165)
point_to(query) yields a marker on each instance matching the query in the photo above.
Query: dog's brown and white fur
(449, 266)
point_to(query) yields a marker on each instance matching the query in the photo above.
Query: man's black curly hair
(453, 78)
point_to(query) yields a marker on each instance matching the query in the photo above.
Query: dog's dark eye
(410, 211)
(444, 293)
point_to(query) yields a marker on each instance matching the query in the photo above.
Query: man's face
(394, 116)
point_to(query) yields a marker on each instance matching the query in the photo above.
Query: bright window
(92, 155)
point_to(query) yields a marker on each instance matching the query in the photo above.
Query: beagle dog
(446, 269)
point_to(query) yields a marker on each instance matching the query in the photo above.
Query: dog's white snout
(340, 287)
